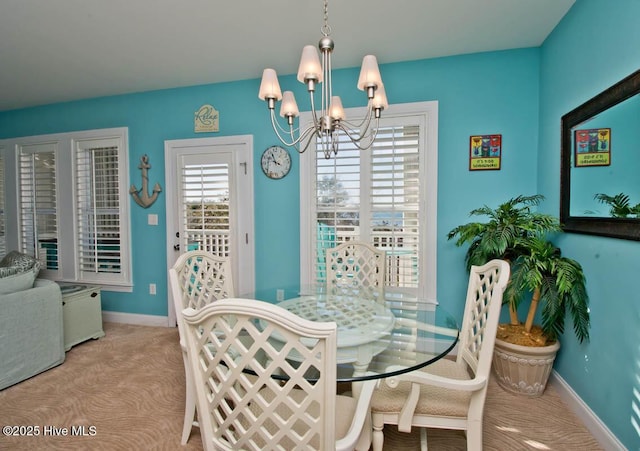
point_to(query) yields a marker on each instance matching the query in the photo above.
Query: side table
(81, 312)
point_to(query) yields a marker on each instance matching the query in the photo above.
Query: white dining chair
(196, 279)
(356, 266)
(449, 394)
(252, 395)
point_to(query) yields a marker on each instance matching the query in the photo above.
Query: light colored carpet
(128, 388)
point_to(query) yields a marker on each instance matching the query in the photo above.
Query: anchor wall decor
(141, 196)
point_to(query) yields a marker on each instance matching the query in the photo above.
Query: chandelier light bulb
(380, 99)
(270, 87)
(335, 109)
(369, 73)
(310, 68)
(289, 106)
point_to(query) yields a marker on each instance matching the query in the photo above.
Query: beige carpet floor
(127, 391)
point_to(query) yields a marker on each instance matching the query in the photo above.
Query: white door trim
(244, 267)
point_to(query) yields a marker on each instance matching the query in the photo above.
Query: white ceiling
(59, 50)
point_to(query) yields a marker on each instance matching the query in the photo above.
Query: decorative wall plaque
(206, 119)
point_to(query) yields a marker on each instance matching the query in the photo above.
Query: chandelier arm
(366, 122)
(334, 145)
(309, 139)
(296, 145)
(277, 127)
(349, 130)
(275, 123)
(314, 114)
(308, 134)
(357, 141)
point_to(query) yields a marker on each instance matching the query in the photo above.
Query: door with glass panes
(210, 203)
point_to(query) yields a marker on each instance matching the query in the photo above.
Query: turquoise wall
(594, 46)
(484, 93)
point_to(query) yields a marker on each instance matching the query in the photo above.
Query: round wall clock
(275, 162)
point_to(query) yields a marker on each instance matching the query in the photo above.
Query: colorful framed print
(592, 147)
(485, 152)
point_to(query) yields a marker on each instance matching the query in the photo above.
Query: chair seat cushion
(433, 400)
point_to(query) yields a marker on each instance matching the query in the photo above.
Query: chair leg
(364, 442)
(423, 439)
(474, 436)
(189, 409)
(377, 439)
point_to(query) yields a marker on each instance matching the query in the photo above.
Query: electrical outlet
(152, 288)
(280, 295)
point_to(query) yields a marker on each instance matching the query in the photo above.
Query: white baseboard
(135, 318)
(597, 428)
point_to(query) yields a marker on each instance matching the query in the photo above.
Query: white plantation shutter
(72, 205)
(337, 201)
(395, 200)
(373, 196)
(98, 220)
(385, 195)
(38, 203)
(205, 199)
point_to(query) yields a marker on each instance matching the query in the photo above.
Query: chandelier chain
(326, 29)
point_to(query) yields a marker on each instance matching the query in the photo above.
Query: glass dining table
(379, 335)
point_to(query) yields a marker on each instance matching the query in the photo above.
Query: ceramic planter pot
(523, 369)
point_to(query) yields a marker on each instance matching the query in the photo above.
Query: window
(73, 205)
(38, 210)
(98, 214)
(205, 200)
(384, 195)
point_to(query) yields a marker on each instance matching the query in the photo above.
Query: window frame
(66, 203)
(425, 114)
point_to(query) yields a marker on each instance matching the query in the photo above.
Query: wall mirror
(600, 167)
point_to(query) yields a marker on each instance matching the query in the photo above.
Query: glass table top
(376, 331)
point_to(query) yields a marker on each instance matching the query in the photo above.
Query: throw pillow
(23, 262)
(18, 282)
(9, 271)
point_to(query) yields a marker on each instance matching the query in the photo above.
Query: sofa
(31, 328)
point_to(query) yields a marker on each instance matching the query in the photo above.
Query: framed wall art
(485, 152)
(592, 147)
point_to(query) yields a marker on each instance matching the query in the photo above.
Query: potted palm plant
(524, 351)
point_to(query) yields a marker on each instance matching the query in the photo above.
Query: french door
(210, 203)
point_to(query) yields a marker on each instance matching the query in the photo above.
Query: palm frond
(619, 204)
(514, 232)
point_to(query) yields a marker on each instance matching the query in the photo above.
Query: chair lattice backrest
(356, 265)
(197, 279)
(202, 278)
(249, 359)
(484, 300)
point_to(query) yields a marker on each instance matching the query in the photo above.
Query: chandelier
(330, 120)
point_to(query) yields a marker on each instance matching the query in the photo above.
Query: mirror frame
(625, 228)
